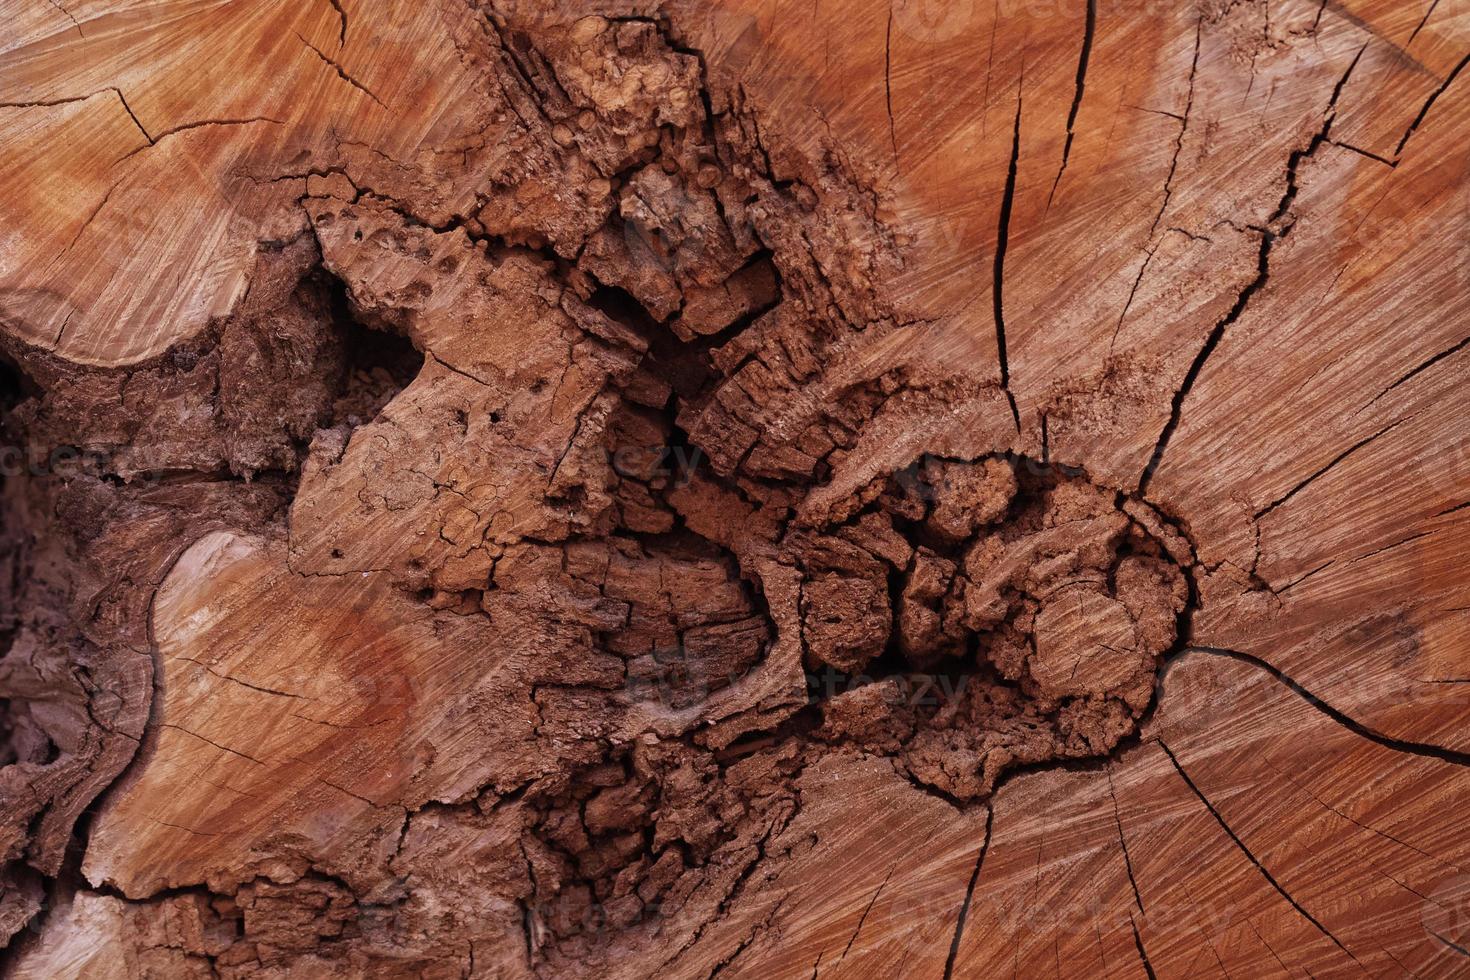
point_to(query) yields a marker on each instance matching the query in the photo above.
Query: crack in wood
(1123, 842)
(132, 115)
(235, 680)
(1422, 21)
(1423, 366)
(199, 124)
(959, 925)
(888, 81)
(341, 72)
(1428, 103)
(1002, 238)
(222, 748)
(1453, 756)
(1276, 228)
(81, 33)
(1369, 154)
(1284, 774)
(1448, 942)
(1282, 590)
(864, 917)
(1265, 873)
(1183, 127)
(1321, 472)
(1088, 29)
(1128, 304)
(342, 18)
(1148, 968)
(1269, 948)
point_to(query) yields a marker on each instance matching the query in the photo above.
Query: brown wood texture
(744, 488)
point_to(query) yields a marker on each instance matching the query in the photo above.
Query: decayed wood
(634, 488)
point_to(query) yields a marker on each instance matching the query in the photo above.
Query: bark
(626, 489)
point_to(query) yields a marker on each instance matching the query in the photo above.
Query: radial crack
(1353, 820)
(235, 680)
(1456, 947)
(68, 15)
(341, 72)
(1148, 967)
(1123, 843)
(1128, 303)
(1337, 459)
(1423, 366)
(1389, 547)
(1183, 126)
(864, 918)
(888, 81)
(1368, 154)
(1424, 111)
(199, 124)
(217, 122)
(1269, 948)
(1422, 21)
(342, 17)
(1002, 238)
(1270, 235)
(1251, 857)
(1299, 580)
(132, 115)
(1357, 728)
(222, 748)
(959, 925)
(1089, 27)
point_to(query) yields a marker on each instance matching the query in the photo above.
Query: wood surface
(745, 488)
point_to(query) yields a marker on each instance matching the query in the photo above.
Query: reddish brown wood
(783, 489)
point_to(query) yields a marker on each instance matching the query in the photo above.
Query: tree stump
(634, 488)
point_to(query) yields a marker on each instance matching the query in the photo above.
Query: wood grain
(753, 489)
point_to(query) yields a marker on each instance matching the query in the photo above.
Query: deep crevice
(1148, 968)
(959, 926)
(1089, 28)
(1251, 857)
(1277, 227)
(1429, 103)
(1439, 752)
(933, 651)
(1002, 238)
(1314, 476)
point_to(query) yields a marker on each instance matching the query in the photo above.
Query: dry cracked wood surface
(745, 488)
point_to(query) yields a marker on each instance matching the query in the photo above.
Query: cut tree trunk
(771, 489)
